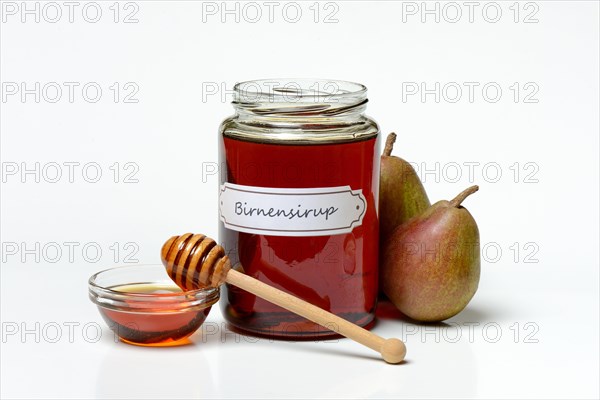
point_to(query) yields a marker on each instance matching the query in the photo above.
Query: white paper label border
(351, 205)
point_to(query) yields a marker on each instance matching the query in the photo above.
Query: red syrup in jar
(336, 272)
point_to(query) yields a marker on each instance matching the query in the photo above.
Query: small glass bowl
(143, 306)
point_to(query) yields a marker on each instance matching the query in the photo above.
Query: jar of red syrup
(298, 205)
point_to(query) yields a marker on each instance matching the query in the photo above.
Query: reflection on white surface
(128, 372)
(452, 375)
(342, 368)
(222, 363)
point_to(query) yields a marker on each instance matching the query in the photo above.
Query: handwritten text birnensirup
(291, 213)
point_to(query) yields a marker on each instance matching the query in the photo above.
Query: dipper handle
(392, 350)
(193, 261)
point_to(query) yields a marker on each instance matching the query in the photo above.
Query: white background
(540, 294)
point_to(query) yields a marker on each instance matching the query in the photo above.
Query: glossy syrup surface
(336, 272)
(149, 328)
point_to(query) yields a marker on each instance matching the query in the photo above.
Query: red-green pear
(431, 264)
(401, 193)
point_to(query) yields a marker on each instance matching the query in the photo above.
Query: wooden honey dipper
(194, 261)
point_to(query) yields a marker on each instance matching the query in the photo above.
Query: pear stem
(389, 144)
(455, 202)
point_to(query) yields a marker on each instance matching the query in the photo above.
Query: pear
(401, 193)
(431, 265)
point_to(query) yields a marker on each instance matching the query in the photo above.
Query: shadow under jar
(298, 203)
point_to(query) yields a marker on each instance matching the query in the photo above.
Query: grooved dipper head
(194, 261)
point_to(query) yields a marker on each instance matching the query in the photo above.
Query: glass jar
(298, 205)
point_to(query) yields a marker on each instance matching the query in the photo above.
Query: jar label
(291, 211)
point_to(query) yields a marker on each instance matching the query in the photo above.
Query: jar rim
(301, 87)
(299, 96)
(106, 296)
